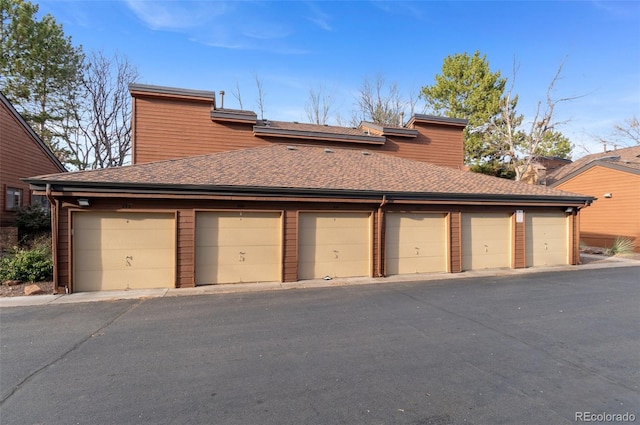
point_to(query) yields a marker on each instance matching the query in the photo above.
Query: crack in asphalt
(35, 373)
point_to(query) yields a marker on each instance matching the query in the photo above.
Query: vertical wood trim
(519, 242)
(176, 241)
(290, 246)
(456, 242)
(574, 239)
(382, 239)
(70, 249)
(447, 224)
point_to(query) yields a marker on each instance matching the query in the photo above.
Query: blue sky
(292, 46)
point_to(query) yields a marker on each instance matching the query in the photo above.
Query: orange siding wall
(20, 156)
(166, 128)
(608, 218)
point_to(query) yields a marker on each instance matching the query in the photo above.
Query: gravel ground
(46, 288)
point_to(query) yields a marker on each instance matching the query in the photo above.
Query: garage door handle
(128, 259)
(242, 256)
(335, 252)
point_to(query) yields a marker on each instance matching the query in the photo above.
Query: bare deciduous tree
(99, 133)
(319, 105)
(519, 147)
(378, 103)
(261, 96)
(236, 93)
(624, 134)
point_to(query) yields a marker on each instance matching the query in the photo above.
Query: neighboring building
(22, 154)
(541, 166)
(614, 179)
(217, 196)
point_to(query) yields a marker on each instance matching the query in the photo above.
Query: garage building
(287, 212)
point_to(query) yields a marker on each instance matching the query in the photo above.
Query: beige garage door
(486, 241)
(547, 239)
(238, 246)
(416, 243)
(113, 251)
(334, 244)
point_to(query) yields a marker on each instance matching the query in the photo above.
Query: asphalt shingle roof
(627, 158)
(305, 167)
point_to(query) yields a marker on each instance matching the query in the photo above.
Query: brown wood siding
(290, 247)
(64, 259)
(375, 242)
(185, 266)
(574, 239)
(608, 218)
(171, 128)
(185, 246)
(20, 156)
(455, 226)
(519, 260)
(436, 144)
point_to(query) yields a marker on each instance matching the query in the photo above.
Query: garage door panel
(486, 241)
(547, 239)
(416, 243)
(123, 251)
(237, 246)
(334, 244)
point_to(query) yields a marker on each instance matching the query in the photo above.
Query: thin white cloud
(176, 15)
(318, 17)
(217, 24)
(268, 32)
(619, 9)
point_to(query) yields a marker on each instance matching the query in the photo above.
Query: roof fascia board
(161, 189)
(32, 133)
(234, 116)
(164, 91)
(434, 119)
(261, 131)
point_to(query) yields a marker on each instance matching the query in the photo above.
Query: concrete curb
(595, 262)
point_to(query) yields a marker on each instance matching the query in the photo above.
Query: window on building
(13, 199)
(40, 201)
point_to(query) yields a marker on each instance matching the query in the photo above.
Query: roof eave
(234, 116)
(159, 189)
(163, 91)
(434, 119)
(261, 131)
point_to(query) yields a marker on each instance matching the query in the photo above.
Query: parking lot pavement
(589, 262)
(525, 348)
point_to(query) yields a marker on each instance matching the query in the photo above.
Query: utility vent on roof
(328, 151)
(291, 148)
(365, 153)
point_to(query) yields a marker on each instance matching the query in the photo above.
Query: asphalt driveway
(526, 349)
